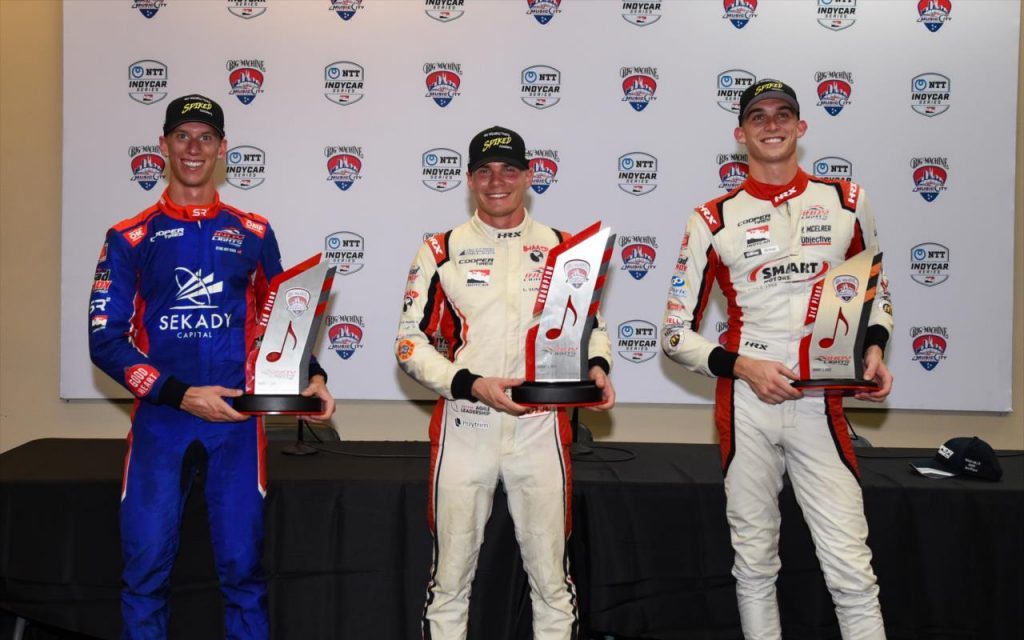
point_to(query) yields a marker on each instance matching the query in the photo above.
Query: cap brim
(928, 468)
(515, 162)
(778, 95)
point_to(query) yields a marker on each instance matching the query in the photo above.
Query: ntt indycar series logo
(929, 264)
(445, 10)
(343, 82)
(246, 79)
(732, 170)
(833, 167)
(147, 165)
(344, 165)
(639, 85)
(934, 13)
(442, 169)
(929, 345)
(637, 341)
(731, 85)
(246, 167)
(345, 250)
(929, 94)
(148, 8)
(930, 175)
(346, 334)
(638, 173)
(638, 254)
(544, 163)
(834, 89)
(541, 86)
(543, 10)
(247, 9)
(346, 8)
(443, 81)
(837, 15)
(147, 81)
(740, 12)
(641, 13)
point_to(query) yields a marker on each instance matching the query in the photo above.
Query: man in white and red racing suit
(468, 305)
(766, 243)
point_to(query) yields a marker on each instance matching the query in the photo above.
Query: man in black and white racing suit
(766, 243)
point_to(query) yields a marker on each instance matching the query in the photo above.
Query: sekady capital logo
(442, 169)
(934, 13)
(739, 12)
(638, 173)
(732, 170)
(637, 341)
(543, 10)
(638, 254)
(346, 8)
(346, 250)
(639, 85)
(246, 167)
(346, 334)
(929, 94)
(641, 14)
(147, 81)
(930, 175)
(837, 15)
(930, 344)
(246, 79)
(834, 89)
(730, 86)
(344, 165)
(541, 86)
(445, 10)
(443, 81)
(247, 9)
(147, 165)
(343, 82)
(195, 298)
(544, 163)
(833, 168)
(929, 264)
(148, 8)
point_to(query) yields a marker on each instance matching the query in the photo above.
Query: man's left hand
(604, 383)
(318, 387)
(876, 371)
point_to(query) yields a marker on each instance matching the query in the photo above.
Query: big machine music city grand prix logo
(739, 12)
(929, 344)
(639, 85)
(638, 254)
(934, 13)
(148, 8)
(344, 165)
(443, 80)
(544, 163)
(346, 334)
(147, 165)
(543, 10)
(732, 170)
(246, 79)
(346, 9)
(834, 89)
(930, 176)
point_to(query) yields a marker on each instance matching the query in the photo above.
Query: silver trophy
(567, 301)
(277, 368)
(831, 361)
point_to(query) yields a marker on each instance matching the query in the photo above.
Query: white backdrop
(924, 103)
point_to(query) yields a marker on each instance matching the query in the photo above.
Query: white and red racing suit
(766, 245)
(468, 305)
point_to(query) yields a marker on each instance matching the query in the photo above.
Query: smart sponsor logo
(930, 176)
(739, 12)
(346, 250)
(543, 10)
(638, 254)
(836, 15)
(638, 173)
(246, 79)
(544, 163)
(639, 85)
(147, 165)
(346, 334)
(834, 89)
(247, 9)
(636, 341)
(147, 81)
(445, 10)
(344, 165)
(730, 86)
(443, 81)
(929, 264)
(541, 86)
(343, 82)
(929, 345)
(246, 167)
(930, 94)
(732, 170)
(442, 169)
(934, 13)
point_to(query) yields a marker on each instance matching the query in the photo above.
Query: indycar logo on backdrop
(731, 85)
(147, 81)
(445, 10)
(929, 345)
(929, 94)
(834, 89)
(934, 13)
(638, 254)
(837, 14)
(443, 81)
(246, 167)
(148, 8)
(346, 8)
(541, 86)
(442, 169)
(638, 173)
(639, 85)
(833, 167)
(929, 264)
(247, 8)
(543, 10)
(345, 334)
(637, 341)
(930, 175)
(246, 79)
(544, 163)
(344, 165)
(345, 250)
(641, 13)
(147, 165)
(343, 82)
(739, 12)
(732, 170)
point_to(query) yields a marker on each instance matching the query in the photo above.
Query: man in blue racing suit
(172, 314)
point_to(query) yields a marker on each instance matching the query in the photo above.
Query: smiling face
(500, 193)
(192, 150)
(770, 131)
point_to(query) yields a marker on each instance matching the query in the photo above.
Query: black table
(347, 550)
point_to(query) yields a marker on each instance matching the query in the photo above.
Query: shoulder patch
(438, 244)
(252, 222)
(134, 229)
(847, 191)
(711, 216)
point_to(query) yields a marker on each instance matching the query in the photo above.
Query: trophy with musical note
(564, 316)
(831, 360)
(277, 367)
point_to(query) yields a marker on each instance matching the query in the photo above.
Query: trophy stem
(299, 448)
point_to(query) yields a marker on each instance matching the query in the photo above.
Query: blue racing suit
(174, 303)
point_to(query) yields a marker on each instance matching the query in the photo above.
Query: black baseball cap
(971, 457)
(497, 144)
(194, 108)
(765, 89)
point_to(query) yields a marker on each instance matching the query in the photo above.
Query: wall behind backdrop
(32, 67)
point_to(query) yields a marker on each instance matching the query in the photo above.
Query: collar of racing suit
(501, 234)
(777, 193)
(189, 212)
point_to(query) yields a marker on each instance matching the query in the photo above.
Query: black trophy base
(581, 393)
(835, 386)
(278, 405)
